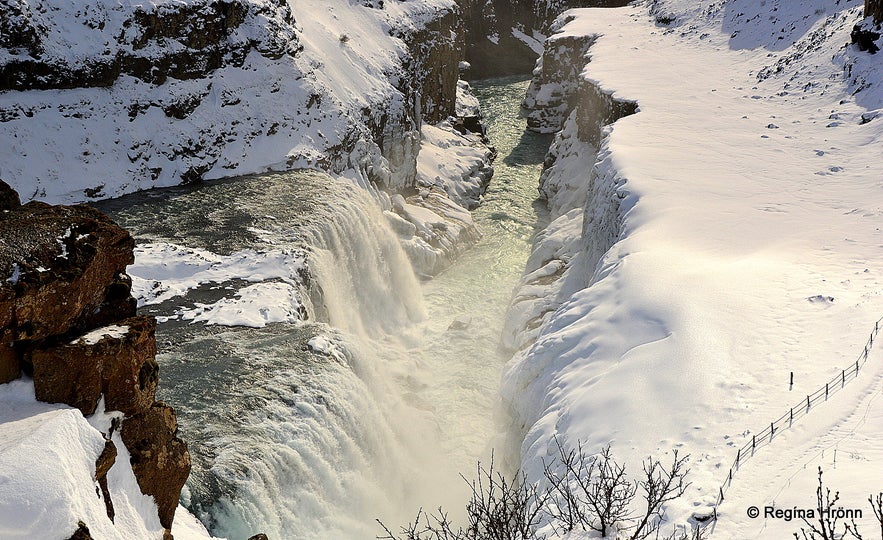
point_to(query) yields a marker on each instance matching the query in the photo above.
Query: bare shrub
(582, 492)
(826, 516)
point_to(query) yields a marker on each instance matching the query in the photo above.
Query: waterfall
(363, 279)
(307, 430)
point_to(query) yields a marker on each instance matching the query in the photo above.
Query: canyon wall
(505, 37)
(162, 93)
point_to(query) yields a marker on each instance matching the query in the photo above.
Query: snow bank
(164, 271)
(457, 163)
(47, 468)
(747, 184)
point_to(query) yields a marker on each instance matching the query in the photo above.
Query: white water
(382, 412)
(367, 285)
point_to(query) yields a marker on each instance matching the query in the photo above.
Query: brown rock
(60, 271)
(82, 532)
(102, 466)
(260, 536)
(123, 368)
(160, 459)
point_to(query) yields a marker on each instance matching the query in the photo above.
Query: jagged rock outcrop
(82, 532)
(61, 268)
(102, 466)
(558, 88)
(116, 361)
(160, 459)
(865, 36)
(554, 90)
(67, 317)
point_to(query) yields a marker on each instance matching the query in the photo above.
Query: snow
(164, 271)
(65, 146)
(705, 238)
(454, 162)
(535, 42)
(467, 103)
(16, 274)
(254, 306)
(47, 464)
(113, 331)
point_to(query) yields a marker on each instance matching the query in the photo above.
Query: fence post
(826, 391)
(753, 442)
(722, 493)
(731, 476)
(791, 416)
(856, 368)
(772, 430)
(738, 454)
(843, 375)
(807, 403)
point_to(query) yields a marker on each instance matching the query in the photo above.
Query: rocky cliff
(504, 37)
(148, 94)
(68, 321)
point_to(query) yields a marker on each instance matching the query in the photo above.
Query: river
(372, 409)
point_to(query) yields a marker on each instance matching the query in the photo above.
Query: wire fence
(796, 412)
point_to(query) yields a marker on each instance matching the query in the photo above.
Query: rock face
(557, 89)
(874, 8)
(182, 41)
(62, 268)
(554, 89)
(82, 532)
(116, 361)
(160, 459)
(102, 467)
(498, 32)
(67, 317)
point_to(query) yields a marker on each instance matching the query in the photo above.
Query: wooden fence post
(826, 391)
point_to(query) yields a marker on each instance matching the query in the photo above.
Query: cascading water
(312, 430)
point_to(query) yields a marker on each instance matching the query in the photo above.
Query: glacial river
(372, 409)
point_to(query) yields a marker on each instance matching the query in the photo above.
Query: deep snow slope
(731, 237)
(102, 98)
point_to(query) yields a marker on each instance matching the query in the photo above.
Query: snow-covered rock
(703, 234)
(145, 94)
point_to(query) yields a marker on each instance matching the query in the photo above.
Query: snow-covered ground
(737, 221)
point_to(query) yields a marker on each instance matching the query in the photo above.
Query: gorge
(350, 312)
